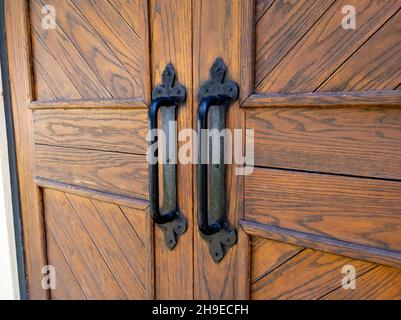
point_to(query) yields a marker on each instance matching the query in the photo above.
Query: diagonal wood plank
(261, 6)
(375, 66)
(326, 46)
(90, 269)
(381, 283)
(67, 286)
(124, 42)
(268, 255)
(124, 235)
(127, 277)
(137, 220)
(308, 275)
(281, 27)
(74, 65)
(94, 50)
(51, 72)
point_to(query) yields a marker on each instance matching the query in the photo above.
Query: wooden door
(80, 92)
(323, 101)
(324, 200)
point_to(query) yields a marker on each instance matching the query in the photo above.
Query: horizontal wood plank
(101, 129)
(124, 174)
(325, 99)
(360, 211)
(362, 141)
(130, 103)
(325, 244)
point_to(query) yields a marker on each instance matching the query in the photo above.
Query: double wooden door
(322, 197)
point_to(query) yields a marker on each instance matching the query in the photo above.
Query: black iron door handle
(167, 96)
(212, 221)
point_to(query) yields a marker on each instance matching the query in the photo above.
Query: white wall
(9, 288)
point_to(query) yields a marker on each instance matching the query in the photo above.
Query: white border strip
(9, 287)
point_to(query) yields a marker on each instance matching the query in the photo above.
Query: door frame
(12, 194)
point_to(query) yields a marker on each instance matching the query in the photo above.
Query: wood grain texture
(381, 283)
(98, 35)
(68, 57)
(100, 129)
(67, 286)
(322, 243)
(84, 258)
(308, 275)
(326, 46)
(18, 44)
(375, 66)
(361, 211)
(122, 174)
(127, 270)
(325, 99)
(109, 197)
(281, 28)
(217, 37)
(171, 25)
(110, 247)
(361, 141)
(267, 255)
(261, 6)
(114, 104)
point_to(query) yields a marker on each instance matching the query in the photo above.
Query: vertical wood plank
(18, 42)
(171, 25)
(217, 37)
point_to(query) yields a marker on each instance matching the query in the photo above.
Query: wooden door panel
(301, 273)
(93, 45)
(363, 141)
(99, 245)
(362, 211)
(311, 47)
(106, 129)
(324, 107)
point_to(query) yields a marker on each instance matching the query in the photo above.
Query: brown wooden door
(323, 99)
(324, 105)
(81, 89)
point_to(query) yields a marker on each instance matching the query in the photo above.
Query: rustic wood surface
(361, 141)
(100, 129)
(171, 25)
(323, 47)
(22, 90)
(362, 211)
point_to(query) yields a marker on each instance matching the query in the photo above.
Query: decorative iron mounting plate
(215, 95)
(171, 222)
(216, 85)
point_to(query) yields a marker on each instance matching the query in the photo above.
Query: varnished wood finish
(307, 275)
(216, 37)
(104, 129)
(17, 28)
(325, 99)
(93, 194)
(324, 47)
(100, 246)
(89, 36)
(124, 174)
(323, 243)
(361, 141)
(362, 211)
(381, 283)
(171, 25)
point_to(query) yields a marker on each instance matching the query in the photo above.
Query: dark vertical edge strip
(18, 232)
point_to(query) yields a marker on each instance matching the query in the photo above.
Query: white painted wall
(9, 288)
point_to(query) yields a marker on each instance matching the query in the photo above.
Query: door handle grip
(171, 222)
(217, 233)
